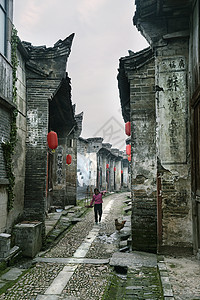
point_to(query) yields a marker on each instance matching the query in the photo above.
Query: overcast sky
(104, 32)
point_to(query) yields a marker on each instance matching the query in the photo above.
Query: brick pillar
(143, 182)
(36, 158)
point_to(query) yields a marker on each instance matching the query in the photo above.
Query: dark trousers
(98, 211)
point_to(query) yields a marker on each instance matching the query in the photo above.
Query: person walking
(97, 200)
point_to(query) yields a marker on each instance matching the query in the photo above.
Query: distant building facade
(99, 165)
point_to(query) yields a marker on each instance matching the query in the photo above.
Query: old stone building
(42, 177)
(7, 106)
(100, 165)
(49, 108)
(159, 96)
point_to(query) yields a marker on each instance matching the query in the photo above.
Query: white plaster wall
(172, 143)
(93, 169)
(83, 164)
(172, 109)
(125, 177)
(118, 175)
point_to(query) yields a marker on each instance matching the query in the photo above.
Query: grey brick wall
(143, 122)
(45, 71)
(5, 135)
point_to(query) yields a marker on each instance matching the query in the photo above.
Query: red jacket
(97, 199)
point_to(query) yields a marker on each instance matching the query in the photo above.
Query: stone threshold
(71, 260)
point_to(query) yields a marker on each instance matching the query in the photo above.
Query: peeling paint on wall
(171, 109)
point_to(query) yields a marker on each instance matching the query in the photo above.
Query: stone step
(127, 209)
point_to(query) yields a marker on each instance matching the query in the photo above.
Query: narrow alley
(85, 262)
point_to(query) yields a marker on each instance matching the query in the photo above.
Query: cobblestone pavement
(184, 275)
(35, 281)
(69, 271)
(88, 281)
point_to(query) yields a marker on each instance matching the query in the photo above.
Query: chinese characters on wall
(59, 171)
(171, 108)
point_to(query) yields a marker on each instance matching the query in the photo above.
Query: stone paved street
(184, 274)
(77, 267)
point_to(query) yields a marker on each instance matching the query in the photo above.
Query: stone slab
(127, 209)
(71, 260)
(47, 297)
(61, 280)
(5, 236)
(2, 284)
(53, 216)
(12, 274)
(84, 247)
(124, 236)
(134, 259)
(76, 220)
(123, 244)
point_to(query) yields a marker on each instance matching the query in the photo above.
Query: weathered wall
(36, 156)
(160, 122)
(45, 70)
(126, 175)
(6, 106)
(58, 191)
(86, 168)
(194, 96)
(83, 163)
(112, 164)
(93, 157)
(3, 207)
(143, 169)
(20, 149)
(172, 143)
(71, 175)
(64, 176)
(118, 175)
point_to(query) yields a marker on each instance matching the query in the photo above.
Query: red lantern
(121, 171)
(107, 166)
(68, 159)
(52, 140)
(114, 169)
(128, 149)
(128, 128)
(129, 157)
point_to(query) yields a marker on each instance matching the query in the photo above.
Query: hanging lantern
(107, 166)
(114, 169)
(52, 140)
(121, 171)
(128, 128)
(128, 149)
(129, 157)
(68, 159)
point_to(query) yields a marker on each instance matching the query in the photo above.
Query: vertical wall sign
(171, 110)
(59, 171)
